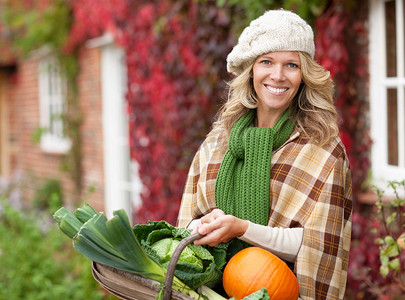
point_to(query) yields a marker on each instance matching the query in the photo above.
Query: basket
(126, 285)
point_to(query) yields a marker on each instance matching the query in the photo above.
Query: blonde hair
(312, 107)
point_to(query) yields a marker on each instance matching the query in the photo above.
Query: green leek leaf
(95, 253)
(122, 236)
(95, 230)
(68, 223)
(85, 212)
(58, 215)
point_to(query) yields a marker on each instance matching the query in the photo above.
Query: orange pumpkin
(253, 268)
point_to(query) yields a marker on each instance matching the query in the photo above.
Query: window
(387, 90)
(52, 95)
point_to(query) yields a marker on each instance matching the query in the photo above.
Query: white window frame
(379, 82)
(52, 98)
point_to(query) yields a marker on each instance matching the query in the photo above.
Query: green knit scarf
(242, 187)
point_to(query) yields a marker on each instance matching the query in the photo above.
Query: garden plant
(37, 262)
(377, 257)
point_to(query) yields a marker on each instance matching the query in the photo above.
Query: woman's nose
(277, 73)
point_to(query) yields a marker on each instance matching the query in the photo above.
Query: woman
(273, 171)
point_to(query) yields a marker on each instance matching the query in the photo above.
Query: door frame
(4, 129)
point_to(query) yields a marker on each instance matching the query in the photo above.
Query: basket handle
(167, 292)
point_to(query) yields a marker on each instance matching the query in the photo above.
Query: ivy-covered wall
(342, 48)
(175, 56)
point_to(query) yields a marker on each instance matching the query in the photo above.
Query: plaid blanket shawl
(310, 188)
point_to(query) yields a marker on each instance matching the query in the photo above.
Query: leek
(113, 243)
(210, 293)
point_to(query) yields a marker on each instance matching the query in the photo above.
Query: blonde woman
(273, 172)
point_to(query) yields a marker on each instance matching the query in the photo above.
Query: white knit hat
(275, 30)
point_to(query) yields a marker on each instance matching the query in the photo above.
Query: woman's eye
(266, 62)
(291, 65)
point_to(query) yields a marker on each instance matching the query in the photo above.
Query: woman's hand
(217, 227)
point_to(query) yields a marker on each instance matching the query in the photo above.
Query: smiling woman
(273, 172)
(276, 80)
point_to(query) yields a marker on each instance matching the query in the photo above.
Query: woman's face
(276, 80)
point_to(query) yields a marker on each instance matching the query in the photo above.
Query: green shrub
(49, 196)
(377, 262)
(38, 262)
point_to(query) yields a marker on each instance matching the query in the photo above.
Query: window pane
(392, 127)
(391, 40)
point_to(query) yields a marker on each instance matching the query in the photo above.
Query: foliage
(392, 217)
(49, 196)
(38, 263)
(343, 24)
(377, 263)
(191, 84)
(251, 9)
(37, 23)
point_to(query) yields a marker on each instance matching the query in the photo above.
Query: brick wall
(28, 159)
(89, 82)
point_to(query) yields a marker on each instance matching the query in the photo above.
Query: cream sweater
(283, 242)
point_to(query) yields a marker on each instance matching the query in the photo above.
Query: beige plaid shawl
(310, 188)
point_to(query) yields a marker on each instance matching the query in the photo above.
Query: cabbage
(197, 265)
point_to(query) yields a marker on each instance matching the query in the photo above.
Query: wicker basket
(126, 285)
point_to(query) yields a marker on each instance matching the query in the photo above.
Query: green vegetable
(259, 295)
(197, 265)
(165, 249)
(212, 295)
(113, 243)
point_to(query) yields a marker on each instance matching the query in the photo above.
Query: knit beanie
(275, 30)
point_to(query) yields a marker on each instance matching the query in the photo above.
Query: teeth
(276, 90)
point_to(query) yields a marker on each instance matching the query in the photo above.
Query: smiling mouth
(276, 90)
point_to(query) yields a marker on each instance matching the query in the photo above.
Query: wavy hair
(312, 107)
